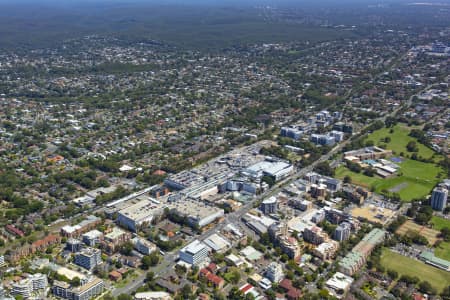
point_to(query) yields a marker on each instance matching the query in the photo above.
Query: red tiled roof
(214, 278)
(159, 172)
(212, 267)
(14, 230)
(294, 293)
(286, 284)
(246, 288)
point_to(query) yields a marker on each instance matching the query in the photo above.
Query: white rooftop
(194, 247)
(216, 242)
(339, 281)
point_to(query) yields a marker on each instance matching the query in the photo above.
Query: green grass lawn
(443, 251)
(405, 265)
(439, 223)
(417, 177)
(399, 140)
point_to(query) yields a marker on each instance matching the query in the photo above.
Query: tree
(150, 276)
(412, 146)
(324, 168)
(124, 297)
(127, 248)
(392, 274)
(427, 288)
(186, 291)
(347, 179)
(108, 297)
(235, 294)
(75, 281)
(269, 180)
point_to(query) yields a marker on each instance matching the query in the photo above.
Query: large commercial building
(275, 169)
(183, 179)
(439, 198)
(88, 258)
(138, 215)
(217, 243)
(198, 213)
(194, 253)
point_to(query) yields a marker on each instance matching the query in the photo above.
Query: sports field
(439, 223)
(399, 140)
(430, 234)
(443, 251)
(415, 180)
(405, 265)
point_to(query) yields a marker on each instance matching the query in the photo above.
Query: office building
(61, 289)
(269, 205)
(217, 243)
(439, 198)
(314, 235)
(74, 245)
(326, 250)
(323, 139)
(343, 127)
(88, 258)
(290, 132)
(337, 135)
(92, 238)
(339, 284)
(342, 232)
(89, 290)
(22, 288)
(197, 213)
(143, 246)
(86, 291)
(75, 231)
(274, 272)
(27, 286)
(39, 281)
(194, 253)
(114, 239)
